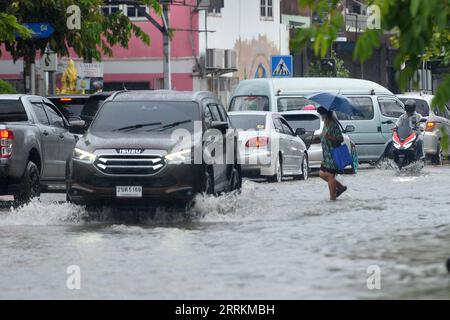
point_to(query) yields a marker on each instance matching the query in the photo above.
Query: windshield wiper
(138, 126)
(170, 125)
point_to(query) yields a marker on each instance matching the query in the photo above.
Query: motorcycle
(403, 148)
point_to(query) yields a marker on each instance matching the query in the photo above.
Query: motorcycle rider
(412, 119)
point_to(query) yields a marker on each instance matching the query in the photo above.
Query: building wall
(240, 27)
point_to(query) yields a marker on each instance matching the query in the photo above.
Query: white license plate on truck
(129, 191)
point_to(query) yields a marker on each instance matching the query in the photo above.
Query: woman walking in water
(331, 138)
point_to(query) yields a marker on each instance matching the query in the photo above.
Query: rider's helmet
(410, 106)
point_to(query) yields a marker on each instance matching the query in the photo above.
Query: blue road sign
(281, 66)
(40, 30)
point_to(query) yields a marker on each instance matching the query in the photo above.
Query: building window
(129, 10)
(266, 9)
(215, 7)
(136, 12)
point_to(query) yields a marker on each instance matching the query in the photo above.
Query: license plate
(129, 191)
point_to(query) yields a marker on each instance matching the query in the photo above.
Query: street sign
(49, 62)
(281, 66)
(40, 29)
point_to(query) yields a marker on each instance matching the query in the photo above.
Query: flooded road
(273, 241)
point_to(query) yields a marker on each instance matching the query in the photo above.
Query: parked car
(268, 147)
(311, 122)
(92, 105)
(437, 119)
(35, 144)
(132, 158)
(70, 105)
(376, 104)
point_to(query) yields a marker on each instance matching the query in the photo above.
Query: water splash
(39, 213)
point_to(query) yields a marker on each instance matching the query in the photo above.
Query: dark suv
(152, 148)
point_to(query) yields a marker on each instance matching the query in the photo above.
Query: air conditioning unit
(230, 59)
(215, 59)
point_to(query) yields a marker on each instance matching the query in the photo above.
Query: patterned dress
(328, 164)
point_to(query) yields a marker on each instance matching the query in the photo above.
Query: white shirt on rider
(411, 120)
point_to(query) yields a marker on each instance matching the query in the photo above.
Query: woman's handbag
(341, 157)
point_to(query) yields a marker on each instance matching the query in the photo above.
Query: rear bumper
(258, 163)
(8, 184)
(173, 183)
(430, 143)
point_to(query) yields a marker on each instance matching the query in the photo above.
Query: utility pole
(166, 50)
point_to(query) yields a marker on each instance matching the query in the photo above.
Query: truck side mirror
(77, 126)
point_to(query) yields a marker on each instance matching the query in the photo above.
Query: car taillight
(430, 126)
(257, 142)
(6, 139)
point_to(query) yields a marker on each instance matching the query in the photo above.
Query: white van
(376, 104)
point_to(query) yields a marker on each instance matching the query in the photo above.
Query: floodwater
(272, 241)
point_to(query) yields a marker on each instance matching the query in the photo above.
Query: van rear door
(367, 136)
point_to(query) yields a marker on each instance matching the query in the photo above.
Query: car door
(294, 150)
(283, 143)
(49, 141)
(215, 144)
(390, 110)
(65, 140)
(367, 136)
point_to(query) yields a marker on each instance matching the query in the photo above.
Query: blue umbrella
(334, 102)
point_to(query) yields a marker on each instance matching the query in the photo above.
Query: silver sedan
(268, 147)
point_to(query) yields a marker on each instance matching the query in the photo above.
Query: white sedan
(268, 147)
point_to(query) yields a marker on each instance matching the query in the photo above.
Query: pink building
(212, 48)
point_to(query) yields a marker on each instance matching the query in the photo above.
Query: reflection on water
(271, 241)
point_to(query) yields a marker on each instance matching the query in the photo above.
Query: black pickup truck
(34, 146)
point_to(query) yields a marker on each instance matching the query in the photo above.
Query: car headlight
(82, 155)
(182, 156)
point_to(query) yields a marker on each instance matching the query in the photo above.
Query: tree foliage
(98, 34)
(6, 87)
(315, 68)
(421, 29)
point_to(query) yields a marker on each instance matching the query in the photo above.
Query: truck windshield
(250, 103)
(146, 116)
(12, 111)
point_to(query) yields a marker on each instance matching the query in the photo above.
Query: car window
(422, 106)
(41, 116)
(295, 103)
(286, 128)
(55, 119)
(158, 117)
(215, 112)
(363, 105)
(223, 113)
(250, 103)
(277, 124)
(12, 111)
(390, 108)
(91, 106)
(248, 121)
(309, 122)
(208, 115)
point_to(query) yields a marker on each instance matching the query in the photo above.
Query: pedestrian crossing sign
(281, 66)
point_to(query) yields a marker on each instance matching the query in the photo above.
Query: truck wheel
(31, 183)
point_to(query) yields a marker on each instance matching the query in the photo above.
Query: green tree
(421, 29)
(6, 87)
(98, 34)
(9, 28)
(315, 68)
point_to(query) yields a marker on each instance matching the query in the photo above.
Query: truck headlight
(182, 156)
(82, 155)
